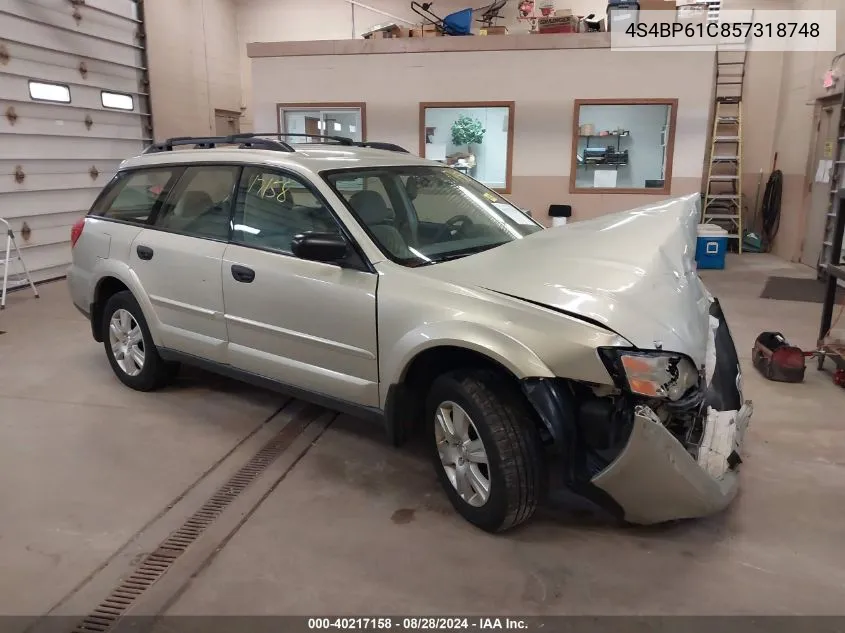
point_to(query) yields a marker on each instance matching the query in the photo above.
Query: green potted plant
(467, 130)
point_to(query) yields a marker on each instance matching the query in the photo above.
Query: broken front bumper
(655, 479)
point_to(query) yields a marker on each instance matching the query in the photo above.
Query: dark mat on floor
(798, 289)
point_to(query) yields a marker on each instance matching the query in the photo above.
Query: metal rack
(835, 271)
(830, 252)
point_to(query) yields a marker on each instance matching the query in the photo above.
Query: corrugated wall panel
(56, 157)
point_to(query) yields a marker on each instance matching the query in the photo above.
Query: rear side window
(200, 203)
(135, 195)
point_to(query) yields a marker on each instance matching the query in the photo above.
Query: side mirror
(320, 247)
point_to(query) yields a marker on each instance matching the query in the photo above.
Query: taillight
(76, 231)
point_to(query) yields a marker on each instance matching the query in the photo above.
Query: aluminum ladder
(836, 181)
(723, 191)
(21, 278)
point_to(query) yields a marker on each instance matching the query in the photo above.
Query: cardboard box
(493, 30)
(658, 5)
(558, 24)
(426, 31)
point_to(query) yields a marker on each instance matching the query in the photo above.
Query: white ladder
(21, 279)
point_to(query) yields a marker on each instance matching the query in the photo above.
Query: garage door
(73, 104)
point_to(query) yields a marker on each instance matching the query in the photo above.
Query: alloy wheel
(127, 342)
(462, 453)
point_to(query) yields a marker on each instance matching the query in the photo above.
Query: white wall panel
(89, 48)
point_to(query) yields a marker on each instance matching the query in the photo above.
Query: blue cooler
(711, 247)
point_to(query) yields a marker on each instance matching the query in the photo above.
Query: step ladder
(836, 181)
(723, 191)
(8, 256)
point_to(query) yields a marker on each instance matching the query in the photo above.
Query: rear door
(306, 324)
(178, 261)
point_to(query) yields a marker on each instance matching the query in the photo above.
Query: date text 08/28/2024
(416, 623)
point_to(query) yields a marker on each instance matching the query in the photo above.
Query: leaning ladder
(723, 191)
(723, 195)
(836, 181)
(19, 279)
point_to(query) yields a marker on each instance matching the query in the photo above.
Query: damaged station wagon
(363, 278)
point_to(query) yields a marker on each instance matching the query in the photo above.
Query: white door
(824, 149)
(71, 110)
(178, 261)
(307, 324)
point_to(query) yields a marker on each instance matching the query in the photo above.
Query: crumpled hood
(633, 272)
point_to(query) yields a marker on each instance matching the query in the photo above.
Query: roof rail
(207, 142)
(342, 140)
(390, 147)
(255, 140)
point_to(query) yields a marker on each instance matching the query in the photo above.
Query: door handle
(243, 274)
(144, 252)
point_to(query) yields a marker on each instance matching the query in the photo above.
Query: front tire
(129, 345)
(486, 449)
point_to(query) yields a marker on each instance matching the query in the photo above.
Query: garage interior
(331, 518)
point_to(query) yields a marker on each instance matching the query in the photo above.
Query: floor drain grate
(154, 565)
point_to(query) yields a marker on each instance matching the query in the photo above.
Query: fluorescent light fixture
(337, 127)
(352, 129)
(117, 100)
(43, 91)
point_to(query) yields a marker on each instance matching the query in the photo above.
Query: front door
(178, 261)
(824, 150)
(306, 324)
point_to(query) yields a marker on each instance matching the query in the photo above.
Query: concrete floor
(356, 527)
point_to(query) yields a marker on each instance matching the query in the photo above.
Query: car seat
(374, 213)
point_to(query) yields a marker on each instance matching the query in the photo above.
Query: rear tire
(129, 345)
(500, 431)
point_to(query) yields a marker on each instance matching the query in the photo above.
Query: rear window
(133, 196)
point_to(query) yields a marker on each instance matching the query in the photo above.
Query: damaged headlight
(653, 374)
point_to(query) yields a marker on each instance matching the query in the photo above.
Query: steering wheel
(453, 226)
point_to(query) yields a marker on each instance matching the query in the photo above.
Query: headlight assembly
(655, 374)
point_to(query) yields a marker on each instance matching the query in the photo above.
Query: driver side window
(273, 207)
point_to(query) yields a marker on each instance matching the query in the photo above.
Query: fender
(122, 272)
(496, 345)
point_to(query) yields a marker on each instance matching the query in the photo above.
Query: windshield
(422, 215)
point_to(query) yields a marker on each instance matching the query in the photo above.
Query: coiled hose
(770, 210)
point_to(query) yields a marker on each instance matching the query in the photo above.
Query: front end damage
(651, 459)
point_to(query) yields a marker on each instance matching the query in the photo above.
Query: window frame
(670, 147)
(121, 94)
(49, 83)
(511, 105)
(123, 176)
(357, 259)
(361, 106)
(174, 186)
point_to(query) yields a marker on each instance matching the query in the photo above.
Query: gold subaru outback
(394, 288)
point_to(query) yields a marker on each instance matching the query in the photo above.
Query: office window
(474, 138)
(623, 146)
(327, 119)
(47, 91)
